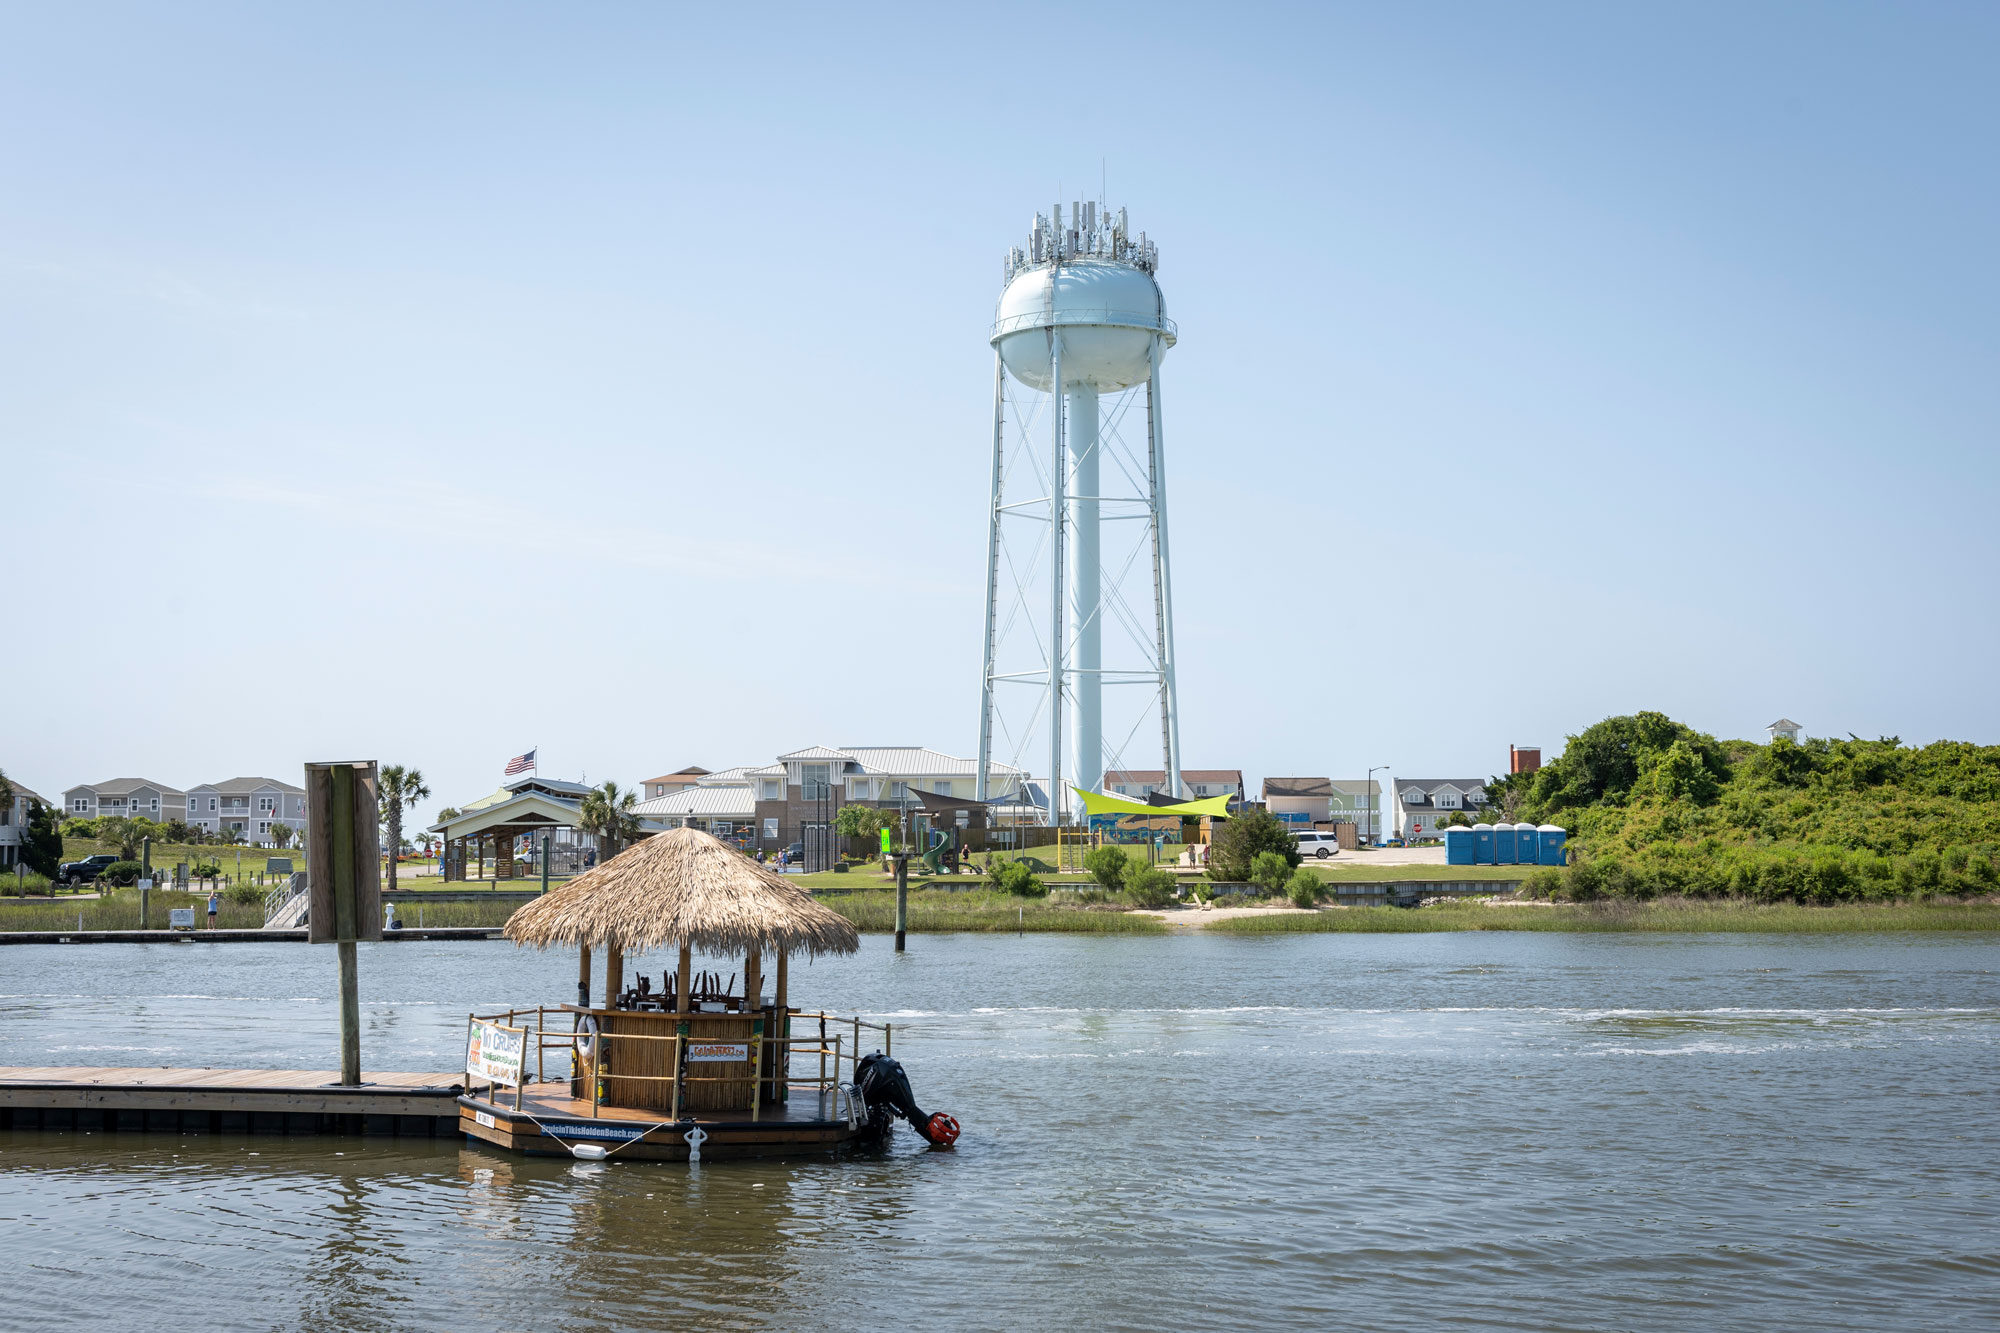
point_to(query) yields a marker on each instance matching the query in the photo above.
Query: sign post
(344, 882)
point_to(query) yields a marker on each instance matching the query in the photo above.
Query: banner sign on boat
(717, 1052)
(494, 1053)
(600, 1131)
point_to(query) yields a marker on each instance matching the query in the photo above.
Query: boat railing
(836, 1044)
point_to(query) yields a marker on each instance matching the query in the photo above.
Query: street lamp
(1368, 794)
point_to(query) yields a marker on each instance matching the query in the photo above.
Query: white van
(1321, 845)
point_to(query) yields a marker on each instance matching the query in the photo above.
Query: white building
(1785, 727)
(248, 806)
(133, 798)
(1421, 804)
(14, 814)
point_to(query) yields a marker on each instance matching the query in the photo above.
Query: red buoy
(941, 1130)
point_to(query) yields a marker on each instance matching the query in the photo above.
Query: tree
(607, 814)
(1269, 871)
(177, 831)
(43, 848)
(861, 821)
(123, 833)
(281, 835)
(80, 828)
(1109, 866)
(398, 790)
(1456, 819)
(1239, 840)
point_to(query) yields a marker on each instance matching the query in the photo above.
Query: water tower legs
(1086, 620)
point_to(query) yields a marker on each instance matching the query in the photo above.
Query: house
(1359, 801)
(1300, 802)
(14, 813)
(1787, 728)
(133, 798)
(669, 783)
(1422, 803)
(772, 805)
(249, 807)
(1139, 783)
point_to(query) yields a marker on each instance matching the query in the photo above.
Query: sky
(429, 383)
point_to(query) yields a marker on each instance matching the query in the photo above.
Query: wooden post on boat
(684, 980)
(753, 995)
(345, 884)
(781, 1015)
(583, 977)
(614, 976)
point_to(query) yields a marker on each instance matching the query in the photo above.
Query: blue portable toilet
(1551, 839)
(1503, 844)
(1482, 845)
(1526, 848)
(1458, 847)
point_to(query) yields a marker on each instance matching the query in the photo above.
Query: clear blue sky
(426, 383)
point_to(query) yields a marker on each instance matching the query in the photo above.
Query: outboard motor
(885, 1094)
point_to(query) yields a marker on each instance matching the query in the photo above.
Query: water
(1460, 1131)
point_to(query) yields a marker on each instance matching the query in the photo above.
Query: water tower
(1078, 460)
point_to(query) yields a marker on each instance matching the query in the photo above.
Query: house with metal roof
(1422, 803)
(795, 798)
(251, 807)
(1139, 783)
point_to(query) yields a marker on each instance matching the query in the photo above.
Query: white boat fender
(695, 1138)
(586, 1037)
(589, 1152)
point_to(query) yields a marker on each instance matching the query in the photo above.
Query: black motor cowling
(885, 1094)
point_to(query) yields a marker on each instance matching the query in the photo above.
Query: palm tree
(607, 813)
(400, 788)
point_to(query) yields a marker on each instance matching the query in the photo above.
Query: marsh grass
(120, 911)
(1669, 914)
(937, 911)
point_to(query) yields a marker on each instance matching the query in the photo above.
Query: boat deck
(227, 1101)
(549, 1119)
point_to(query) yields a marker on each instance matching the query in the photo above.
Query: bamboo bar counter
(655, 1071)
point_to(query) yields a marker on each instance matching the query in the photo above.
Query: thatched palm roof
(683, 887)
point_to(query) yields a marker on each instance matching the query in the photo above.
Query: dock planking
(227, 1101)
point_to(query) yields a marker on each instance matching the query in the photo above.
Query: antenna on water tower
(1077, 339)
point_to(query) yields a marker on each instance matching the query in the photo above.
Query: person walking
(214, 901)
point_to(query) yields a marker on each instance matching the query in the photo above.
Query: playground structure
(1185, 826)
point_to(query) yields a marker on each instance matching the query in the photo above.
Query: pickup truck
(84, 871)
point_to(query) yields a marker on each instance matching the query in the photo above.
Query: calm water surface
(1456, 1131)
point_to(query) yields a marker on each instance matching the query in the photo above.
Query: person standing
(214, 901)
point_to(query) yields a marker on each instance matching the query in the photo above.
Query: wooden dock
(228, 1101)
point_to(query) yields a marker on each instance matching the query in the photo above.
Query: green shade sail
(1097, 803)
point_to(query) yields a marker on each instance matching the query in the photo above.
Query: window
(942, 788)
(80, 803)
(859, 788)
(156, 802)
(264, 805)
(263, 826)
(899, 791)
(815, 781)
(767, 790)
(1447, 799)
(1201, 789)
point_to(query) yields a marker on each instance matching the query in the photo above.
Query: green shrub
(1543, 883)
(1108, 866)
(1303, 888)
(1015, 878)
(1232, 856)
(1150, 886)
(243, 894)
(121, 873)
(1269, 871)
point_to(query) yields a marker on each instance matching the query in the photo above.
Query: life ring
(586, 1037)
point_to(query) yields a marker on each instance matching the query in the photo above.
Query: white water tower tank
(1108, 311)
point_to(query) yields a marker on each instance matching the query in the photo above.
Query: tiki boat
(688, 1068)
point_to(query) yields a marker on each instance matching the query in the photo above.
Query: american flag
(520, 763)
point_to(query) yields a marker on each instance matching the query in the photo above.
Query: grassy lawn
(1663, 915)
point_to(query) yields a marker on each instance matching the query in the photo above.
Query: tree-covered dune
(1654, 807)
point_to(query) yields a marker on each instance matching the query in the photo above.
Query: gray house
(249, 806)
(14, 823)
(134, 798)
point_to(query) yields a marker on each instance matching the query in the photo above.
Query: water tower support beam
(1163, 587)
(1058, 575)
(992, 580)
(1088, 622)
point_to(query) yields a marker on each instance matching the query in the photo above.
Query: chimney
(1523, 761)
